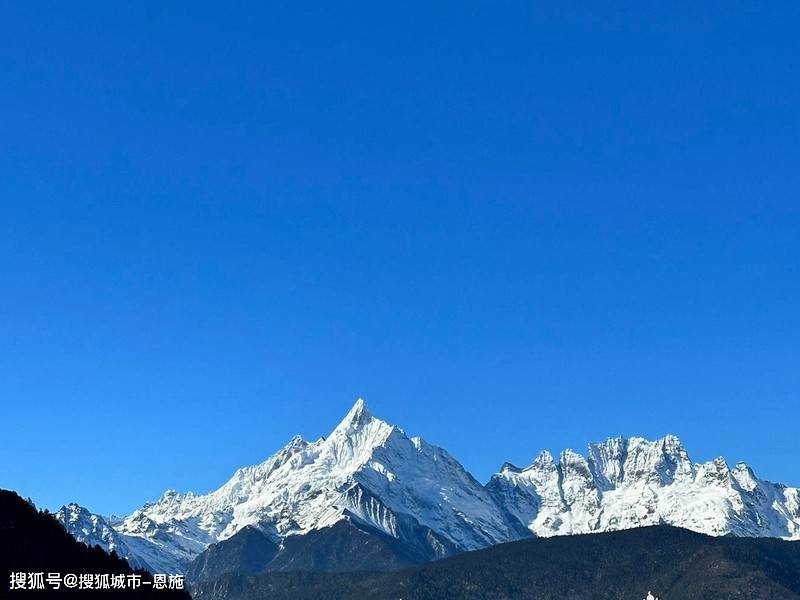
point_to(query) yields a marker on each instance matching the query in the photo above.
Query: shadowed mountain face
(34, 542)
(675, 564)
(343, 547)
(247, 553)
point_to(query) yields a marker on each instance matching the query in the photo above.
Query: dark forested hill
(343, 547)
(34, 542)
(674, 563)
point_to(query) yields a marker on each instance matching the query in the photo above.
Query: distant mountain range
(369, 497)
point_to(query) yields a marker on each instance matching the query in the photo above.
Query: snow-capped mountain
(92, 529)
(369, 474)
(141, 552)
(366, 471)
(95, 530)
(625, 483)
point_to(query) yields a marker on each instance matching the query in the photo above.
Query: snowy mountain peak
(73, 512)
(357, 417)
(618, 459)
(94, 530)
(297, 441)
(170, 496)
(745, 477)
(671, 441)
(543, 459)
(631, 482)
(351, 444)
(569, 456)
(365, 471)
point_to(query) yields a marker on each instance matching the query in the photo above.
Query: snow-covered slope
(366, 470)
(371, 474)
(91, 529)
(624, 483)
(94, 530)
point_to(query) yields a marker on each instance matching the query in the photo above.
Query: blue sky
(508, 226)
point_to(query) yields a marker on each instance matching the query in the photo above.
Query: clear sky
(509, 226)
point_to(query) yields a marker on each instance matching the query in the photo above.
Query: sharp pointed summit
(366, 473)
(358, 416)
(359, 407)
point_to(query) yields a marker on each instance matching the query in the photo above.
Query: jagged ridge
(370, 473)
(626, 483)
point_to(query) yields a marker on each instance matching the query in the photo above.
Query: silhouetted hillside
(34, 542)
(343, 547)
(247, 552)
(675, 564)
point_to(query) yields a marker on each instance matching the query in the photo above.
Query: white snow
(634, 482)
(370, 471)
